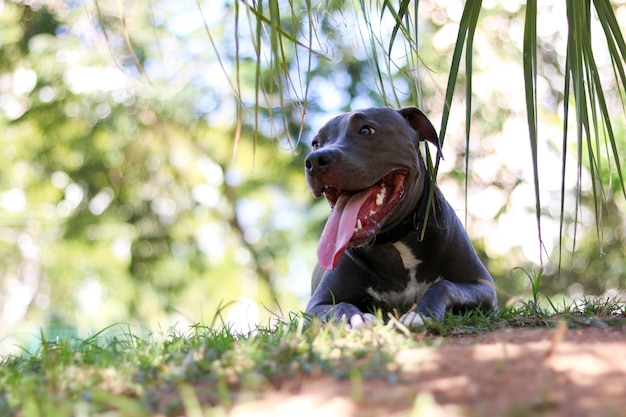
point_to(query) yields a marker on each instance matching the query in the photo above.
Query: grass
(206, 370)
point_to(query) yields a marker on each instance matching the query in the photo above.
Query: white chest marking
(409, 261)
(413, 291)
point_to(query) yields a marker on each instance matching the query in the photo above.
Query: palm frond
(464, 41)
(275, 35)
(594, 128)
(380, 57)
(467, 24)
(530, 84)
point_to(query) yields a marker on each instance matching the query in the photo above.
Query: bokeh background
(151, 155)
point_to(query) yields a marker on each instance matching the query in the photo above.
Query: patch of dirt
(511, 372)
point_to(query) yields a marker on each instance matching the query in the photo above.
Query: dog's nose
(318, 161)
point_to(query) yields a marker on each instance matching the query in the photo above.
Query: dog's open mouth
(357, 216)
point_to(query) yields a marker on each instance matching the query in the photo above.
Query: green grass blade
(470, 8)
(617, 51)
(274, 24)
(530, 84)
(611, 27)
(239, 106)
(575, 63)
(595, 131)
(469, 54)
(566, 93)
(376, 64)
(468, 19)
(398, 16)
(258, 35)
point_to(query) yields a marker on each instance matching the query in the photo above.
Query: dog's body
(371, 254)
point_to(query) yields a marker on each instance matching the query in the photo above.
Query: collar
(412, 222)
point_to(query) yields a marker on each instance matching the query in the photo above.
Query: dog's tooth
(380, 198)
(359, 226)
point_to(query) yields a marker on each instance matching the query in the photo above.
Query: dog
(376, 251)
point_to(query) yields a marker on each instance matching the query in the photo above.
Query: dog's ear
(422, 125)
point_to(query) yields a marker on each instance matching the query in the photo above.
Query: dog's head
(368, 165)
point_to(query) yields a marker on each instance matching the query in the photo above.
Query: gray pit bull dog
(371, 253)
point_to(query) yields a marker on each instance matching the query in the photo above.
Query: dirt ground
(511, 372)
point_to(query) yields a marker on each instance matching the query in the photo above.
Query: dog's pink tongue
(339, 229)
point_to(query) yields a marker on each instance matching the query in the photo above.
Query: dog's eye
(315, 144)
(367, 130)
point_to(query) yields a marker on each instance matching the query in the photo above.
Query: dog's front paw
(413, 319)
(361, 320)
(352, 315)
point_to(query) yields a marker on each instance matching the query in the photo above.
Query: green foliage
(124, 200)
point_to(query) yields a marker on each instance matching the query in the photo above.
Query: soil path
(511, 372)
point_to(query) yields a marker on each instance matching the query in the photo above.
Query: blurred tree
(121, 198)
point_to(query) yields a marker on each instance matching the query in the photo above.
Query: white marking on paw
(412, 319)
(356, 321)
(361, 320)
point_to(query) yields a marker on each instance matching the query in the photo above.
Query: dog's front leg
(339, 295)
